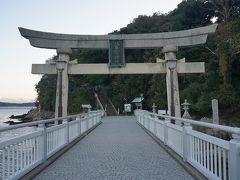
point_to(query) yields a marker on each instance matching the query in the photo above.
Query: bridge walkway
(117, 149)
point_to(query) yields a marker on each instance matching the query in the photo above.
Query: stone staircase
(106, 102)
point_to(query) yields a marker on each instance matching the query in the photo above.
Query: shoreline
(33, 114)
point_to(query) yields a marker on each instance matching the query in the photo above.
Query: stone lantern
(186, 114)
(154, 108)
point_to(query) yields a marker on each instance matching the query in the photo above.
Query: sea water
(5, 113)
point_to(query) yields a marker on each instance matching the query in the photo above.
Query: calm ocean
(5, 113)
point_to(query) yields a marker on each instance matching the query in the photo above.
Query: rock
(35, 114)
(32, 115)
(17, 116)
(13, 122)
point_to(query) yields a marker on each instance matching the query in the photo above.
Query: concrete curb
(189, 168)
(53, 158)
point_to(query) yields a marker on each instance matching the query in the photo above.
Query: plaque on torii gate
(169, 41)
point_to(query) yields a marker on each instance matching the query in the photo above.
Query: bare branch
(206, 47)
(236, 53)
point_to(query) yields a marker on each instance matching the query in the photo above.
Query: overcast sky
(17, 84)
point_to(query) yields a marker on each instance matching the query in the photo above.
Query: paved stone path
(117, 149)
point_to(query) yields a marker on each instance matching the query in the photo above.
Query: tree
(221, 55)
(224, 10)
(46, 90)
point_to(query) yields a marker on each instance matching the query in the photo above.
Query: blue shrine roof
(87, 106)
(137, 100)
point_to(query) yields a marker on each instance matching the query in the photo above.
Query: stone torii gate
(169, 41)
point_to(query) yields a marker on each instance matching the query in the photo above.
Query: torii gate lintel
(130, 68)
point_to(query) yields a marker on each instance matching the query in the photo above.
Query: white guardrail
(214, 157)
(21, 154)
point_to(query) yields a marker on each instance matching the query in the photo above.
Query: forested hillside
(221, 54)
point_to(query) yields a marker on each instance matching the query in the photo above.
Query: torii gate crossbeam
(130, 68)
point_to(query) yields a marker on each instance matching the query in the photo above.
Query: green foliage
(157, 92)
(224, 10)
(224, 61)
(46, 90)
(228, 99)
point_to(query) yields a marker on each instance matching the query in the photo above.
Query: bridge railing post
(43, 142)
(98, 118)
(87, 121)
(234, 157)
(155, 125)
(139, 115)
(144, 120)
(166, 122)
(149, 121)
(65, 121)
(95, 119)
(141, 118)
(186, 141)
(92, 120)
(78, 119)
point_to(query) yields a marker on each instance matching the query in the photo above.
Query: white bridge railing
(214, 157)
(21, 154)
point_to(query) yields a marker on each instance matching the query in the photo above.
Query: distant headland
(5, 104)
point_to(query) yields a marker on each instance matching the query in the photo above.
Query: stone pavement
(117, 149)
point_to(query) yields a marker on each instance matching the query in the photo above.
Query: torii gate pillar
(170, 54)
(64, 55)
